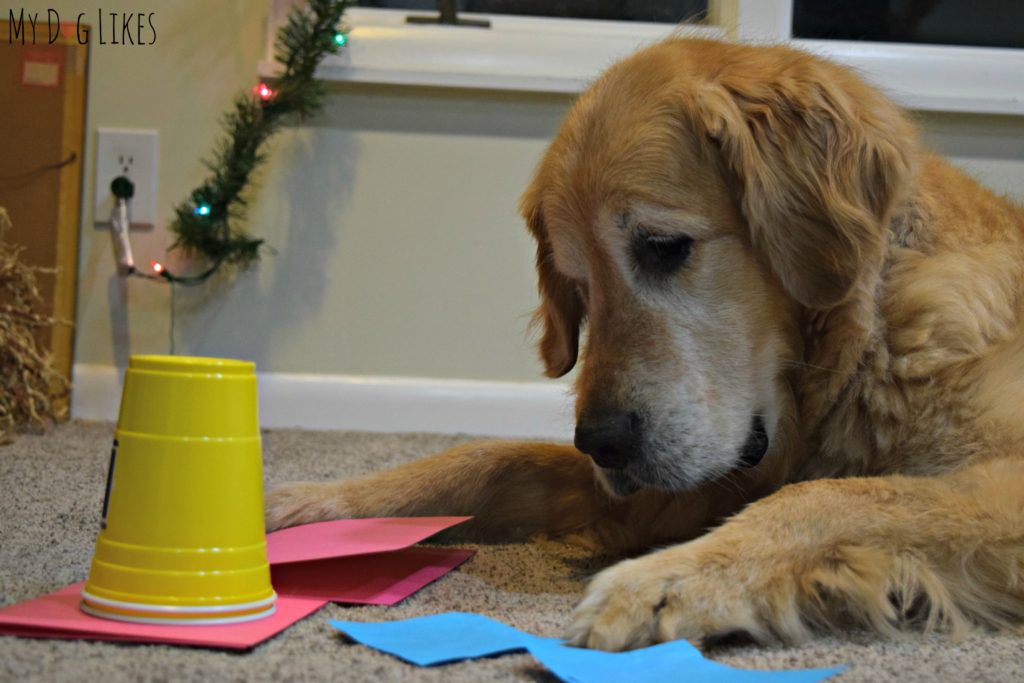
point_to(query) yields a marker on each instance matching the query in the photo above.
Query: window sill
(564, 56)
(516, 53)
(935, 77)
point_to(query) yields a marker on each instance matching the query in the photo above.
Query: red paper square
(57, 615)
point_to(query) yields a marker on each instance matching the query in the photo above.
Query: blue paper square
(455, 636)
(674, 661)
(436, 639)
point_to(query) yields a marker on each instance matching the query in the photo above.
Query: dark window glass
(668, 11)
(988, 23)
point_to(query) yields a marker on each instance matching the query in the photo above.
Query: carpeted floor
(51, 489)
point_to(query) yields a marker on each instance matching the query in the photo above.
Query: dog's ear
(821, 158)
(561, 311)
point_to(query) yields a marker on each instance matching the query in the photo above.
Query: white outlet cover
(132, 153)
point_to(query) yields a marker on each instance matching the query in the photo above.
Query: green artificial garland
(206, 224)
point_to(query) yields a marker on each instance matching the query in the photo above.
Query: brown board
(42, 120)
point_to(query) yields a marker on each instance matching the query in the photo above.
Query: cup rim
(168, 621)
(155, 610)
(190, 364)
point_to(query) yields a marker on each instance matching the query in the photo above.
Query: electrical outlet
(131, 153)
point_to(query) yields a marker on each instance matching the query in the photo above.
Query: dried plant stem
(31, 390)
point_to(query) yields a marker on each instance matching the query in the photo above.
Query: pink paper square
(346, 537)
(356, 560)
(57, 616)
(379, 579)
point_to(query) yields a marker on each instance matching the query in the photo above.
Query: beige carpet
(51, 489)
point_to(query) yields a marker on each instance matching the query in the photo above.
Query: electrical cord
(18, 181)
(123, 190)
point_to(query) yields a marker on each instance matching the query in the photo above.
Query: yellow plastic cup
(182, 538)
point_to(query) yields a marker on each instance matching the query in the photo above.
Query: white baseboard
(376, 404)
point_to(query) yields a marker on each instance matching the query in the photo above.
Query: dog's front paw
(304, 503)
(669, 595)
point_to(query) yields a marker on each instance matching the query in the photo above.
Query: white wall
(397, 248)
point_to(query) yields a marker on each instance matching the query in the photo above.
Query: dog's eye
(661, 253)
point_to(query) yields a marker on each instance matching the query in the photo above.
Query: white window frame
(564, 55)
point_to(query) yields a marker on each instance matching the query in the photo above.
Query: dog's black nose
(609, 438)
(757, 444)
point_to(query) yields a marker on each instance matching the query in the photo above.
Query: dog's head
(698, 198)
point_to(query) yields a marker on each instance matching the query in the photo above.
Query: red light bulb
(263, 91)
(158, 267)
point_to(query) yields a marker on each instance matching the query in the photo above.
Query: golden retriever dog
(802, 373)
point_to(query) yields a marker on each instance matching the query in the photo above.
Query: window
(988, 23)
(543, 54)
(667, 11)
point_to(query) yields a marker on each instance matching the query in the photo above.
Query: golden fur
(859, 296)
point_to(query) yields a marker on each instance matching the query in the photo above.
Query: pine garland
(207, 223)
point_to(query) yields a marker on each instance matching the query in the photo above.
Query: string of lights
(207, 224)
